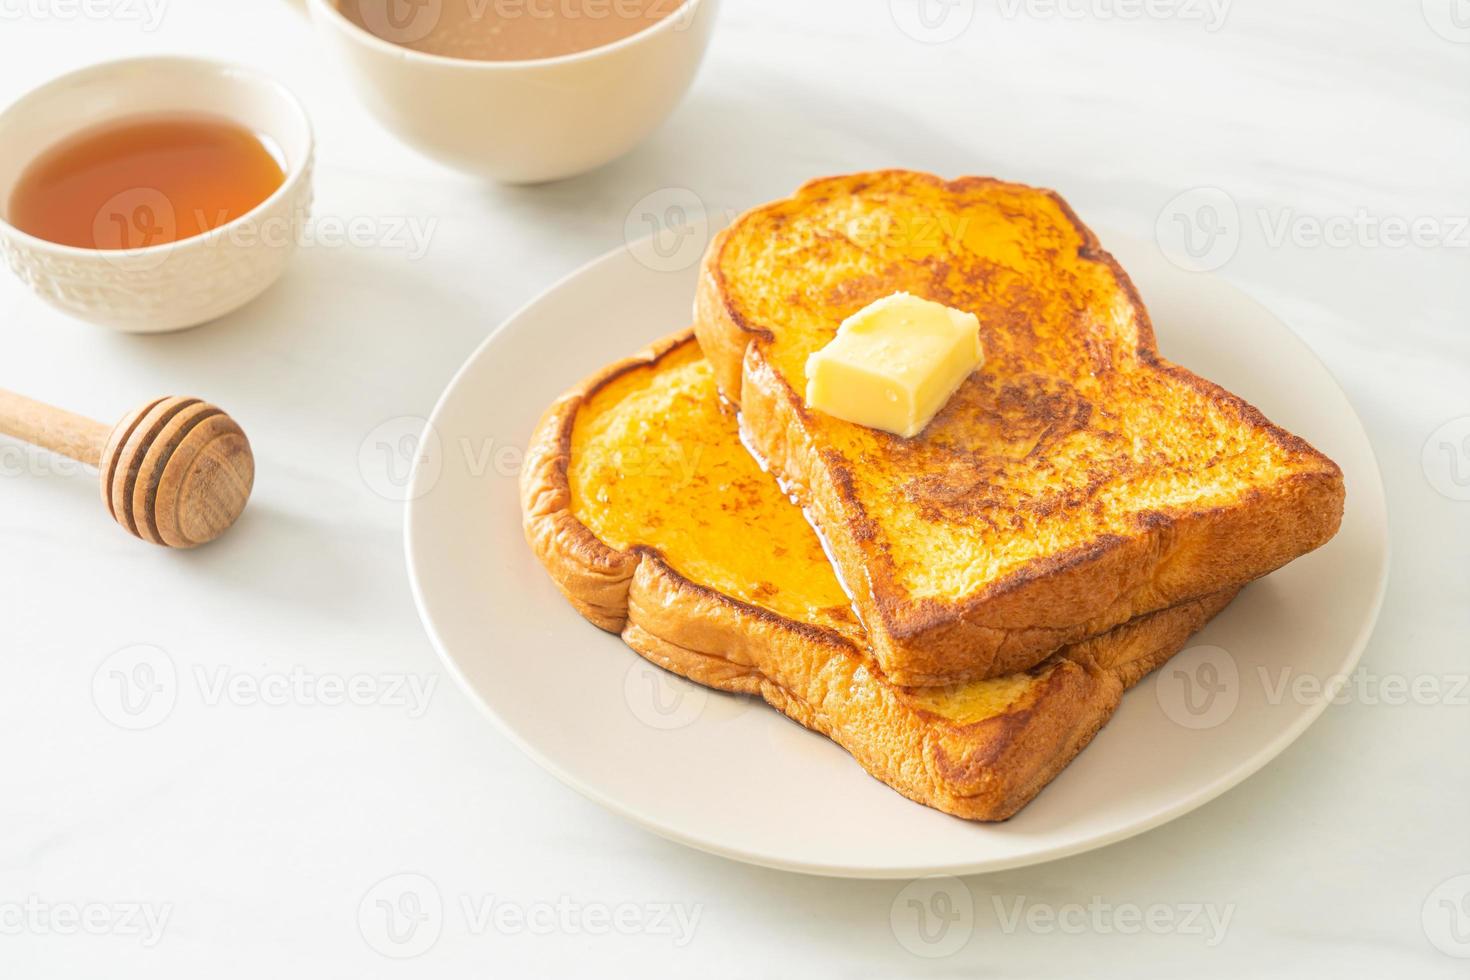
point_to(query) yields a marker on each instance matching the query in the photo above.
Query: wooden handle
(53, 428)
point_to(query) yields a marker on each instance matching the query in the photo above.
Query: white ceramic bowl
(179, 284)
(523, 121)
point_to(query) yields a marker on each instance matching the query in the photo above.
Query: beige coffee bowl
(180, 284)
(521, 121)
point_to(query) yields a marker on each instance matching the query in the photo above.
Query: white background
(260, 829)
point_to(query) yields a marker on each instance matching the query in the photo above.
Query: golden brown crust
(986, 770)
(1019, 619)
(593, 576)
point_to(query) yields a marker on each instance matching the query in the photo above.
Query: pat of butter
(894, 364)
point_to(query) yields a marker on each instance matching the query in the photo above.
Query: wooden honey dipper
(175, 471)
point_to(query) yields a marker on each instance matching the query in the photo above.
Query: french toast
(1075, 481)
(656, 524)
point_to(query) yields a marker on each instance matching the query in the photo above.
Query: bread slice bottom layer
(657, 525)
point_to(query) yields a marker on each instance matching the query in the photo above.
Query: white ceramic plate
(733, 777)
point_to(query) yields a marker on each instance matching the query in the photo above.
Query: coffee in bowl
(523, 91)
(505, 30)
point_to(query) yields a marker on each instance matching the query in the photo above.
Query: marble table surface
(255, 823)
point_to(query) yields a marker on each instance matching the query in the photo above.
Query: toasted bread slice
(1075, 481)
(656, 524)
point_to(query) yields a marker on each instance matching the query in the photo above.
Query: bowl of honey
(154, 194)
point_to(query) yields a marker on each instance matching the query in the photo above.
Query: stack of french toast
(961, 609)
